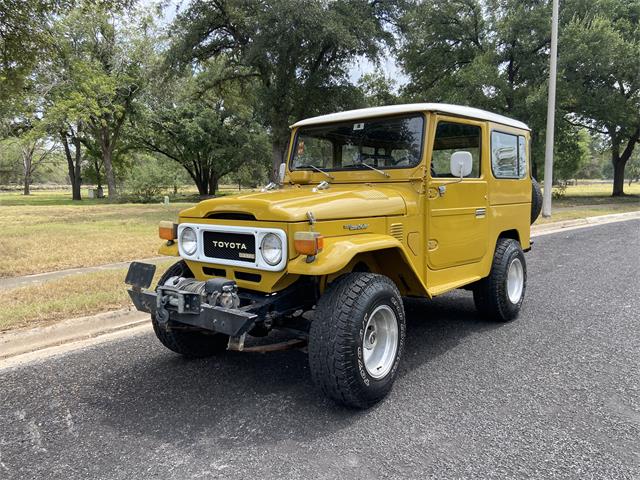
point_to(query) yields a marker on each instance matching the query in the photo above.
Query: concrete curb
(21, 342)
(24, 341)
(554, 227)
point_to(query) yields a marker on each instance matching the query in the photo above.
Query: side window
(508, 155)
(454, 137)
(522, 156)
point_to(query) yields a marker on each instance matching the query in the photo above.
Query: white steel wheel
(515, 280)
(380, 342)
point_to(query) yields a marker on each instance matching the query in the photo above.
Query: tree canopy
(215, 89)
(299, 54)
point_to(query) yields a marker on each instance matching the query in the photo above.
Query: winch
(220, 292)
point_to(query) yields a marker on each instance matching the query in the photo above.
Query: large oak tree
(600, 60)
(210, 131)
(300, 52)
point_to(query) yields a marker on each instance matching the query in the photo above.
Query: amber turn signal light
(308, 243)
(168, 230)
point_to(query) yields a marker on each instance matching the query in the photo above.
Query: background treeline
(112, 93)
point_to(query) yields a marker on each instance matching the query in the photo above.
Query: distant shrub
(559, 190)
(147, 181)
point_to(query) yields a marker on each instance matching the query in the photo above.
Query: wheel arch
(512, 234)
(375, 253)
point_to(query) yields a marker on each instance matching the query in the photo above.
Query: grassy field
(47, 231)
(44, 238)
(582, 201)
(69, 297)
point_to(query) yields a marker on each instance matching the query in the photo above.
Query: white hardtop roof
(456, 110)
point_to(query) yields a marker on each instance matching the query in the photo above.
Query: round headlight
(271, 248)
(188, 241)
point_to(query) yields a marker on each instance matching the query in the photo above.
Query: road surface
(553, 395)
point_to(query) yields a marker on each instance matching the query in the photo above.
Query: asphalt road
(553, 395)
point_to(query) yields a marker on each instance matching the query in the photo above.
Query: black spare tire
(536, 200)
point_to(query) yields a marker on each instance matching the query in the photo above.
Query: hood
(291, 204)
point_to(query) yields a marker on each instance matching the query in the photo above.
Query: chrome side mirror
(461, 164)
(281, 172)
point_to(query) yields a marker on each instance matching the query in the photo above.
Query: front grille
(240, 247)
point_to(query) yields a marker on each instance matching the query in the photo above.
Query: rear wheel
(357, 338)
(193, 344)
(499, 296)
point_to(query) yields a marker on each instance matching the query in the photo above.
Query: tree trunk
(73, 168)
(109, 174)
(618, 176)
(213, 184)
(619, 161)
(27, 160)
(202, 186)
(278, 148)
(77, 178)
(96, 165)
(27, 183)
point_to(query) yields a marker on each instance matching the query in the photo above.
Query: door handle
(442, 189)
(481, 212)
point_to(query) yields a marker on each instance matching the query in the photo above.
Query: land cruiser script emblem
(234, 245)
(359, 226)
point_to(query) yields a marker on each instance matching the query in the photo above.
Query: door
(457, 225)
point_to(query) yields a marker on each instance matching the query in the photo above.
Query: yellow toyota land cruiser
(372, 205)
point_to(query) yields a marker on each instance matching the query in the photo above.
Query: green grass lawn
(50, 233)
(63, 298)
(591, 200)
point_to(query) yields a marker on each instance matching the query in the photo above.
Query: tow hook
(236, 343)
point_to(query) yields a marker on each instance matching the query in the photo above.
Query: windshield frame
(421, 115)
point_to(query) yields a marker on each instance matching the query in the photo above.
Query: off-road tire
(192, 344)
(490, 294)
(536, 200)
(335, 338)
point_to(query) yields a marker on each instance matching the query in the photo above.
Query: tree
(209, 133)
(98, 71)
(378, 89)
(490, 54)
(23, 39)
(300, 53)
(601, 47)
(34, 153)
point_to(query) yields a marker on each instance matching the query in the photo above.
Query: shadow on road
(250, 398)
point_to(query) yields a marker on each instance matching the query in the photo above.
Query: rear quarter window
(508, 155)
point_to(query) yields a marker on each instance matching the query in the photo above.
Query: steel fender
(169, 250)
(338, 252)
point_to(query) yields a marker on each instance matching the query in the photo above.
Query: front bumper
(202, 315)
(169, 304)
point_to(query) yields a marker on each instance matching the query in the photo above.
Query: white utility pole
(551, 114)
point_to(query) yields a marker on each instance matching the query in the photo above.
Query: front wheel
(499, 296)
(357, 338)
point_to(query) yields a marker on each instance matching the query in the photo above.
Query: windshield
(383, 143)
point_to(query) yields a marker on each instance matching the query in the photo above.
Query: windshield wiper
(381, 172)
(330, 177)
